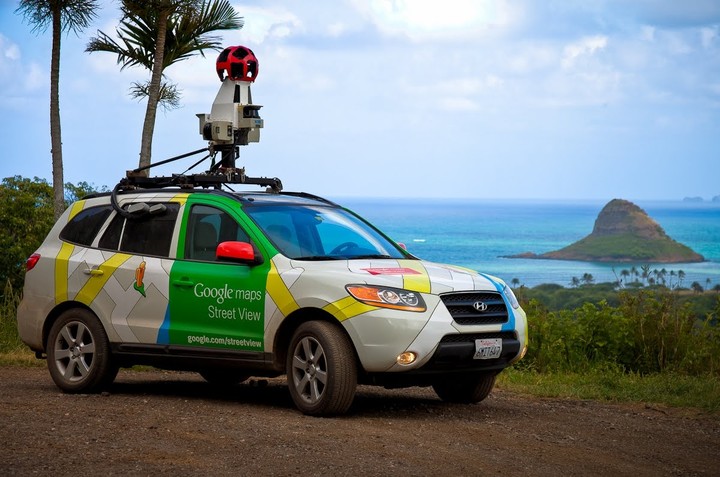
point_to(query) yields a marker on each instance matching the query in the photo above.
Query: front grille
(471, 337)
(462, 308)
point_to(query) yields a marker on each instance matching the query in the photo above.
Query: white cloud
(708, 36)
(267, 24)
(11, 52)
(422, 20)
(586, 46)
(458, 104)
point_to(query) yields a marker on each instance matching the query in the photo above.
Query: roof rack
(215, 177)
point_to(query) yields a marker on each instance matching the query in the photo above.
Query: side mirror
(241, 252)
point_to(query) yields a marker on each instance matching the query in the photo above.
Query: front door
(212, 303)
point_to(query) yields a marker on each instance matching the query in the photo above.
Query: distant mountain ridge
(624, 232)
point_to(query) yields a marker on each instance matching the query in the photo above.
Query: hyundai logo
(480, 306)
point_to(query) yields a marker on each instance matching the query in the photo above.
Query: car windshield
(305, 232)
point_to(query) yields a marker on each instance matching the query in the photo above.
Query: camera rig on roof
(234, 121)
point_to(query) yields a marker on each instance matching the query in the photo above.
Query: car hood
(415, 275)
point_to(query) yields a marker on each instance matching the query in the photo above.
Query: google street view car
(180, 273)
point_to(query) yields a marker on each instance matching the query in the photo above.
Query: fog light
(408, 357)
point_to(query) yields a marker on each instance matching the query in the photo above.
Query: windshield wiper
(377, 255)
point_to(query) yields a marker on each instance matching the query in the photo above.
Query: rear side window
(85, 225)
(148, 235)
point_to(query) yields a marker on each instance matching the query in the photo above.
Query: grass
(669, 389)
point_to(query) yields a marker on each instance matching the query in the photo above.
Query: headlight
(507, 291)
(387, 297)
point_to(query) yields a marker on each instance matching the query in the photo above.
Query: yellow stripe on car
(279, 292)
(61, 272)
(347, 307)
(420, 282)
(92, 287)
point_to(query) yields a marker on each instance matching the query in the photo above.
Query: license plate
(488, 348)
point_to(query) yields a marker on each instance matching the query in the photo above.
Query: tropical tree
(63, 15)
(587, 279)
(26, 216)
(681, 277)
(155, 34)
(645, 272)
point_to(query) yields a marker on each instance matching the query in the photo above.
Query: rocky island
(623, 232)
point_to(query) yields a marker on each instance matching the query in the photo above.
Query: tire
(78, 353)
(321, 369)
(465, 389)
(224, 378)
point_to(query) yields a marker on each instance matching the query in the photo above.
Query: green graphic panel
(217, 305)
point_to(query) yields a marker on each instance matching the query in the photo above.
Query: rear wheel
(78, 353)
(465, 389)
(321, 369)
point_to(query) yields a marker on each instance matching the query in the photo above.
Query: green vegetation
(26, 216)
(12, 350)
(594, 342)
(627, 247)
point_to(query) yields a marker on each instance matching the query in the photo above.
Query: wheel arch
(55, 314)
(291, 323)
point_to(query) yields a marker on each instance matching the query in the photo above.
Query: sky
(489, 99)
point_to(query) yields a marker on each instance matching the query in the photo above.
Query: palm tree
(63, 15)
(645, 272)
(587, 278)
(158, 33)
(696, 287)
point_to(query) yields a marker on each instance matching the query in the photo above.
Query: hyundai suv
(239, 284)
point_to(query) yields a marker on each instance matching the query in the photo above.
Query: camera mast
(233, 121)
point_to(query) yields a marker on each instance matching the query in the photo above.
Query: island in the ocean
(623, 232)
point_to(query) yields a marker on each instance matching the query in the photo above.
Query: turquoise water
(477, 233)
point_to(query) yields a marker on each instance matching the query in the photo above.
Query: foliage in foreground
(647, 332)
(26, 216)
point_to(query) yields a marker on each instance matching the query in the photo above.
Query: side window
(148, 235)
(111, 238)
(207, 227)
(85, 225)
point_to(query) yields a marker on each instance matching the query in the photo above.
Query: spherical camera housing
(239, 63)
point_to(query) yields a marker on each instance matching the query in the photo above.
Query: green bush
(648, 332)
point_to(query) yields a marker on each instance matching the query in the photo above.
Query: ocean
(477, 234)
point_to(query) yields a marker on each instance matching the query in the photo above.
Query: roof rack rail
(215, 177)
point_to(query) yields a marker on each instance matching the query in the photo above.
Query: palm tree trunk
(154, 91)
(55, 135)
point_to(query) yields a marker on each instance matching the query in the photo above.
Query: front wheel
(321, 369)
(465, 389)
(78, 353)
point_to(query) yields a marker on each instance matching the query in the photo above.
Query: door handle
(93, 272)
(183, 282)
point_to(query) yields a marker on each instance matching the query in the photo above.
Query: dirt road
(157, 423)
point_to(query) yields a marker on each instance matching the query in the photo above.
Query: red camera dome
(239, 63)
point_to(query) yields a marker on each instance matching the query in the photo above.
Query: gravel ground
(163, 423)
